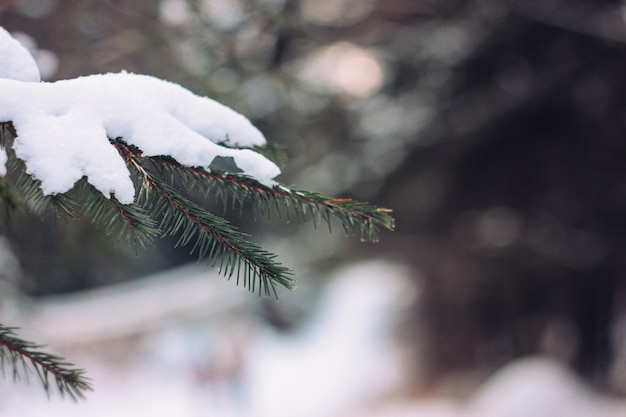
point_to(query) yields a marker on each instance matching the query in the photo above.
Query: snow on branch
(110, 134)
(68, 124)
(101, 142)
(113, 146)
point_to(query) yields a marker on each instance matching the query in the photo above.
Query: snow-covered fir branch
(112, 145)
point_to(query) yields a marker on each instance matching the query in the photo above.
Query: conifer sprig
(214, 236)
(234, 189)
(25, 358)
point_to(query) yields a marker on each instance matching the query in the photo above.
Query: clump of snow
(17, 62)
(64, 128)
(46, 60)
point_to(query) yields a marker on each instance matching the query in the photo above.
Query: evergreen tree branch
(354, 216)
(214, 236)
(26, 356)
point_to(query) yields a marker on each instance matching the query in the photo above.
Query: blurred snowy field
(189, 343)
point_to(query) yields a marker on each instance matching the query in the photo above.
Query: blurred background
(495, 130)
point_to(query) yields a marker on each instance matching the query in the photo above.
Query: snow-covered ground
(188, 343)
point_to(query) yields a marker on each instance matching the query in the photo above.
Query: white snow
(188, 343)
(343, 358)
(540, 387)
(64, 128)
(17, 62)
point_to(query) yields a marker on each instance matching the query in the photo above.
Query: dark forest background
(495, 130)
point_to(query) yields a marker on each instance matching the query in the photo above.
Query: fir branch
(19, 353)
(232, 189)
(214, 236)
